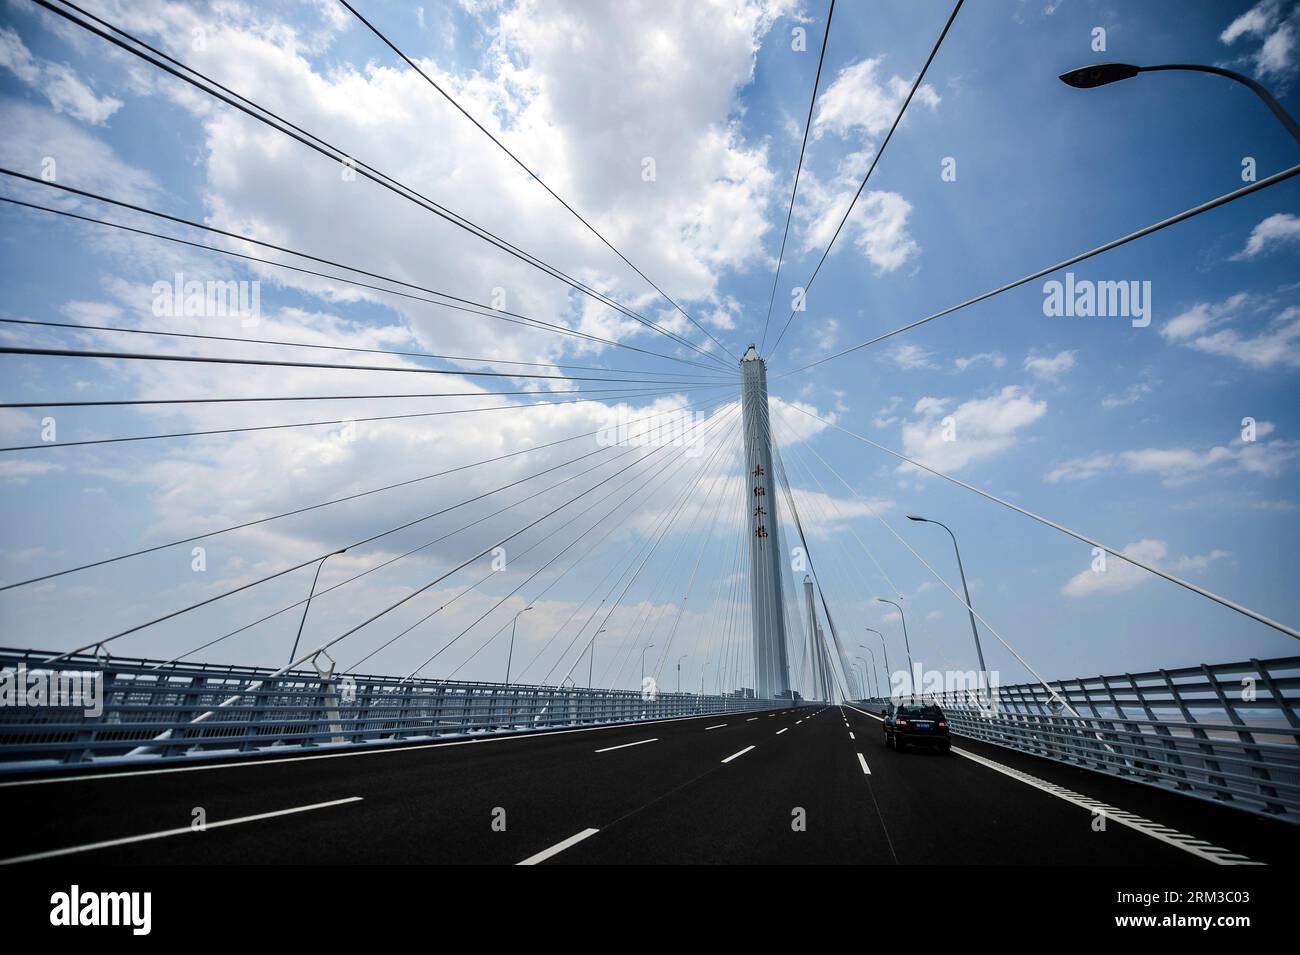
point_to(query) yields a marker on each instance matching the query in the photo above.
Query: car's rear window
(920, 712)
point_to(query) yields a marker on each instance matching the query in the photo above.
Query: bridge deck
(670, 800)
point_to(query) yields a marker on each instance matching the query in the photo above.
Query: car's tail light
(943, 724)
(900, 722)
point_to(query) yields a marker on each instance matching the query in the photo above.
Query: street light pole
(591, 658)
(884, 649)
(874, 666)
(906, 643)
(1101, 74)
(293, 654)
(679, 671)
(643, 652)
(511, 655)
(870, 671)
(979, 651)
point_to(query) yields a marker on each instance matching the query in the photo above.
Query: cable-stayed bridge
(679, 530)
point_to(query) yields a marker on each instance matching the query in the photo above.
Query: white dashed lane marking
(610, 749)
(559, 847)
(735, 755)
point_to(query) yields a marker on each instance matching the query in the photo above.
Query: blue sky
(1132, 435)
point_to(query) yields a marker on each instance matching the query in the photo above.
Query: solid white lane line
(610, 749)
(741, 753)
(1198, 847)
(1179, 840)
(865, 768)
(718, 727)
(878, 719)
(559, 847)
(780, 731)
(179, 831)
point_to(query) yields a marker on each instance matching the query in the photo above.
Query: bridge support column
(771, 667)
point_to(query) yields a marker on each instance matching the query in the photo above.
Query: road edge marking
(1179, 840)
(380, 749)
(180, 830)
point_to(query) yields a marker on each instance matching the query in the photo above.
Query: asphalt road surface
(809, 785)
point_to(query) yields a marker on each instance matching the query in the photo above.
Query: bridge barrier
(1228, 732)
(165, 711)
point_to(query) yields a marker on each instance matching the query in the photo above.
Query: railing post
(1246, 737)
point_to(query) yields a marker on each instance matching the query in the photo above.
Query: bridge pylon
(771, 667)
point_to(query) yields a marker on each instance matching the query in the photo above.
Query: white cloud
(1201, 328)
(1254, 22)
(1276, 25)
(1051, 368)
(32, 134)
(1199, 563)
(1277, 229)
(58, 82)
(18, 471)
(704, 214)
(1275, 56)
(885, 416)
(984, 428)
(996, 359)
(1130, 395)
(1133, 393)
(858, 100)
(1176, 466)
(909, 357)
(1080, 469)
(1120, 576)
(825, 333)
(877, 226)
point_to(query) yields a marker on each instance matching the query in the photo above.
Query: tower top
(751, 354)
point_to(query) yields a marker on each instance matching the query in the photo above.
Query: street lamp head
(1099, 74)
(914, 517)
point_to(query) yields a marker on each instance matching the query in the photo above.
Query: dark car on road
(917, 724)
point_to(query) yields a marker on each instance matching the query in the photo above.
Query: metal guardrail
(174, 710)
(1228, 732)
